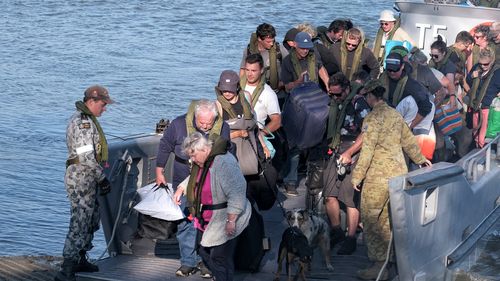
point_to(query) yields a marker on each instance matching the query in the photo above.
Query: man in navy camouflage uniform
(87, 149)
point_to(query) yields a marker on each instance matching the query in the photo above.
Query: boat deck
(159, 260)
(162, 262)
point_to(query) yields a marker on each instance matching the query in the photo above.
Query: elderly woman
(216, 192)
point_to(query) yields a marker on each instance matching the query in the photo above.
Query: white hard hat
(387, 15)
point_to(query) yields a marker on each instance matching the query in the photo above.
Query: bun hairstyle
(439, 44)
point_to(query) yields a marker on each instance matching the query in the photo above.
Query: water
(154, 56)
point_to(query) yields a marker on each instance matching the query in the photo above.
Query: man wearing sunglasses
(481, 35)
(351, 56)
(389, 30)
(399, 85)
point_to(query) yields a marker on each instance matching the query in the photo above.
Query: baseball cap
(400, 50)
(228, 81)
(393, 62)
(303, 40)
(387, 15)
(98, 92)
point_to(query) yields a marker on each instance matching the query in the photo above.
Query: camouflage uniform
(81, 180)
(386, 135)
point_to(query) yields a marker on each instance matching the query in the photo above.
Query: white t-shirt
(409, 109)
(266, 105)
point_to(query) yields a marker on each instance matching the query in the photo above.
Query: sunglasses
(352, 45)
(335, 94)
(485, 64)
(384, 23)
(478, 36)
(390, 70)
(434, 56)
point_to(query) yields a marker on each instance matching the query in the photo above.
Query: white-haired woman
(216, 191)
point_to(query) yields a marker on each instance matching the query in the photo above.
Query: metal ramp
(162, 264)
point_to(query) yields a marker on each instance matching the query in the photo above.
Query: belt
(421, 131)
(214, 207)
(72, 161)
(182, 161)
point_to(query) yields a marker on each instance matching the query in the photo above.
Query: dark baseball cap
(304, 40)
(228, 81)
(393, 62)
(98, 92)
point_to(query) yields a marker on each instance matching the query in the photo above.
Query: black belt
(214, 207)
(182, 161)
(421, 131)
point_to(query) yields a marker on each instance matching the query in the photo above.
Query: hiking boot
(291, 189)
(348, 247)
(67, 272)
(337, 235)
(371, 273)
(204, 271)
(84, 265)
(185, 271)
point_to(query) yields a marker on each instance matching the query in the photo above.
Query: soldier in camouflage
(385, 137)
(87, 149)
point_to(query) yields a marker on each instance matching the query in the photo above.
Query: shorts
(340, 186)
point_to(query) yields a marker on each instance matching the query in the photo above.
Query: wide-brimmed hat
(387, 15)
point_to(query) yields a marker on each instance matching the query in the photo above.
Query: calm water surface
(154, 56)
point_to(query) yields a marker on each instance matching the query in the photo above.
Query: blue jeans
(186, 236)
(292, 163)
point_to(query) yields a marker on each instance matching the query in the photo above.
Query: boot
(84, 265)
(67, 272)
(371, 273)
(348, 247)
(337, 235)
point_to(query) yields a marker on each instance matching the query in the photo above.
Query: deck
(163, 262)
(159, 260)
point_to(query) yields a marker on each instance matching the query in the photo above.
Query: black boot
(337, 235)
(84, 265)
(67, 272)
(348, 247)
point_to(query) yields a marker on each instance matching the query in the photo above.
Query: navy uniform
(87, 149)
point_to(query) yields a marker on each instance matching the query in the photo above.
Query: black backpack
(249, 248)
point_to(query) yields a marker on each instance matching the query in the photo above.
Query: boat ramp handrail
(479, 163)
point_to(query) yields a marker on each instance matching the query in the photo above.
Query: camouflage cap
(372, 85)
(98, 92)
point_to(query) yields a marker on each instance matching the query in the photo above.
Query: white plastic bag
(158, 202)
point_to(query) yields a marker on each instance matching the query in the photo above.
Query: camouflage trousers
(377, 230)
(81, 187)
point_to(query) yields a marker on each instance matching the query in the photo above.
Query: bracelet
(229, 221)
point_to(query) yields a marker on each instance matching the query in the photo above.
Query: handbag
(448, 119)
(493, 119)
(157, 202)
(246, 148)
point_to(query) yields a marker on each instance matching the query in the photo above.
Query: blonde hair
(486, 53)
(308, 28)
(355, 33)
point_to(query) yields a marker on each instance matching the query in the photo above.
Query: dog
(316, 230)
(294, 246)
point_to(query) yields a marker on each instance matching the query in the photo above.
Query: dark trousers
(220, 259)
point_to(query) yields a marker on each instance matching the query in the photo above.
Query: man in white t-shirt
(260, 95)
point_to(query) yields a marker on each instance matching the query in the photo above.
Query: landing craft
(439, 215)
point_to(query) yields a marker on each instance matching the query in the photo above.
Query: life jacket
(311, 66)
(474, 99)
(254, 97)
(356, 61)
(377, 47)
(274, 57)
(398, 92)
(216, 129)
(337, 115)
